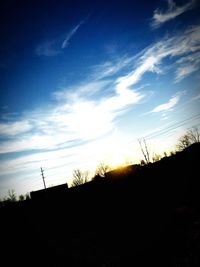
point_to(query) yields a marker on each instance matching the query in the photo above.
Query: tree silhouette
(156, 157)
(21, 198)
(79, 177)
(11, 196)
(190, 137)
(194, 135)
(102, 169)
(27, 196)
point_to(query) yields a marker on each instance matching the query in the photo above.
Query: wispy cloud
(51, 48)
(160, 17)
(71, 33)
(169, 105)
(185, 71)
(197, 97)
(89, 90)
(187, 65)
(112, 67)
(73, 117)
(185, 46)
(14, 128)
(47, 49)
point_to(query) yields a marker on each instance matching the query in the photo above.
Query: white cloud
(197, 97)
(185, 42)
(185, 46)
(110, 68)
(172, 12)
(71, 33)
(14, 128)
(169, 105)
(35, 142)
(151, 58)
(82, 91)
(72, 118)
(187, 65)
(148, 63)
(184, 71)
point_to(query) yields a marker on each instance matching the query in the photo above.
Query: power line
(164, 131)
(173, 126)
(167, 129)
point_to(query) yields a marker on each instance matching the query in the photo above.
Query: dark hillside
(141, 216)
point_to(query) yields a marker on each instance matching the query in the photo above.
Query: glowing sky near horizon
(81, 81)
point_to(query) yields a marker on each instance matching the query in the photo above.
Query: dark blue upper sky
(78, 78)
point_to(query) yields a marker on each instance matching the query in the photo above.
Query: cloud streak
(111, 68)
(160, 17)
(14, 128)
(51, 48)
(187, 65)
(169, 105)
(72, 32)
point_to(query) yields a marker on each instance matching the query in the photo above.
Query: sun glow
(118, 154)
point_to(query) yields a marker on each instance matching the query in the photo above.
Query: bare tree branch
(79, 177)
(102, 169)
(190, 137)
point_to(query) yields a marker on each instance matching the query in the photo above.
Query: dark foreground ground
(142, 216)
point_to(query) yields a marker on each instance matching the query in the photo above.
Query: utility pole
(145, 153)
(42, 174)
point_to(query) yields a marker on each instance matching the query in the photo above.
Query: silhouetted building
(54, 192)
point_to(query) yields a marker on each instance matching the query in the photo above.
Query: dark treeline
(137, 216)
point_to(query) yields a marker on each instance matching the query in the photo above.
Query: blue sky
(81, 81)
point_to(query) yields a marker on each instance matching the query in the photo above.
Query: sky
(82, 81)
